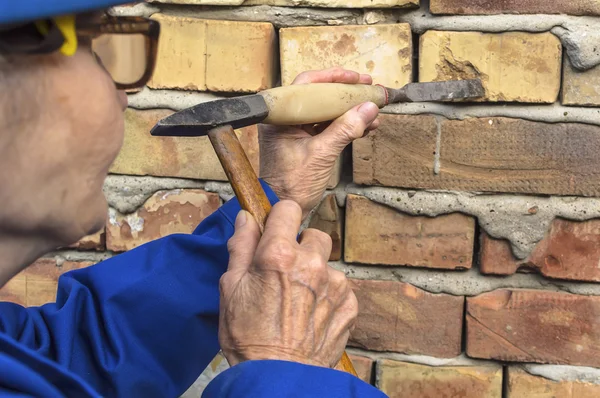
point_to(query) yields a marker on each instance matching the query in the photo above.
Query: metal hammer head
(198, 120)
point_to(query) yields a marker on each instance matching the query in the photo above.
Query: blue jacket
(144, 324)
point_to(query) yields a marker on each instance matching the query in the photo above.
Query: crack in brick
(487, 330)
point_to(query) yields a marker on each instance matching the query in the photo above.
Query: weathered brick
(570, 250)
(534, 326)
(401, 379)
(523, 385)
(383, 51)
(181, 60)
(301, 3)
(488, 7)
(91, 242)
(487, 154)
(241, 56)
(363, 367)
(197, 54)
(377, 234)
(164, 213)
(580, 88)
(328, 218)
(499, 60)
(395, 316)
(143, 154)
(37, 284)
(15, 291)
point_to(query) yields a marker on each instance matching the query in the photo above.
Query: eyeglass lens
(123, 55)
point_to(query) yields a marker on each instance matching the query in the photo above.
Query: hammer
(291, 105)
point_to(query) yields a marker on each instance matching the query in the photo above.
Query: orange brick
(401, 379)
(226, 56)
(15, 291)
(91, 242)
(302, 3)
(165, 213)
(37, 284)
(429, 324)
(534, 326)
(377, 234)
(478, 7)
(328, 218)
(524, 385)
(363, 367)
(499, 60)
(181, 61)
(580, 88)
(241, 56)
(143, 154)
(570, 250)
(383, 51)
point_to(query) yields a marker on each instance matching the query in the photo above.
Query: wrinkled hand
(296, 163)
(279, 298)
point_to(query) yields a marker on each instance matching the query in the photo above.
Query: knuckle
(279, 252)
(338, 279)
(349, 308)
(317, 235)
(316, 263)
(321, 236)
(288, 206)
(233, 244)
(224, 282)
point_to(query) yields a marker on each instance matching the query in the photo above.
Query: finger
(317, 241)
(365, 79)
(331, 75)
(344, 319)
(244, 242)
(283, 222)
(347, 128)
(375, 125)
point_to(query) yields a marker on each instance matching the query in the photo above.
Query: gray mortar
(280, 17)
(579, 35)
(127, 193)
(222, 188)
(138, 10)
(554, 113)
(168, 99)
(557, 373)
(501, 216)
(461, 360)
(564, 373)
(72, 255)
(463, 283)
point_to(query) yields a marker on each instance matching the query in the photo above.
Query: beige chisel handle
(318, 102)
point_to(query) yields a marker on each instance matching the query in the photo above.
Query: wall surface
(471, 231)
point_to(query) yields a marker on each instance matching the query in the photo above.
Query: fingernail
(241, 219)
(368, 112)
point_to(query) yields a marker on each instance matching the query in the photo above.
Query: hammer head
(198, 120)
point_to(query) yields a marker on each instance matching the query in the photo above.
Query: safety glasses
(125, 46)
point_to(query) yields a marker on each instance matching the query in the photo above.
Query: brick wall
(471, 231)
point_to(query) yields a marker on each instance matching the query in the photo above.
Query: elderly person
(147, 323)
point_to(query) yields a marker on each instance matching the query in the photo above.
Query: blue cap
(19, 11)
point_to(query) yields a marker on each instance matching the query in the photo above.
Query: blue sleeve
(259, 379)
(143, 323)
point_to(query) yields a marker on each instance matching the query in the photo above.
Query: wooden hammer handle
(248, 190)
(240, 173)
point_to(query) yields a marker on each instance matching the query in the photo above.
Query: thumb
(348, 127)
(243, 243)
